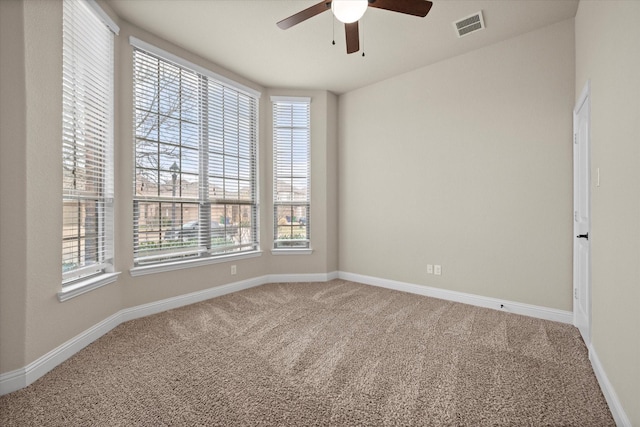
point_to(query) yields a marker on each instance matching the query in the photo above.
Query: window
(291, 177)
(195, 161)
(87, 141)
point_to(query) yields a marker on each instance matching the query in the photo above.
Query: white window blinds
(195, 163)
(291, 172)
(87, 142)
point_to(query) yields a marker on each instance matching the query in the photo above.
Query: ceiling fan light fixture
(348, 11)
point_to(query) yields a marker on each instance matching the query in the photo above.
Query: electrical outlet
(437, 270)
(429, 268)
(234, 270)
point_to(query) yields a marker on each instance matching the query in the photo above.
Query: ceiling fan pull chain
(362, 32)
(333, 30)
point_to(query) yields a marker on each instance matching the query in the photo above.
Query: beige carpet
(319, 354)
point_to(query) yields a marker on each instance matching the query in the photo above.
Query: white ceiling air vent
(470, 24)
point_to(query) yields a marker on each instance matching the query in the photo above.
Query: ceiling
(241, 36)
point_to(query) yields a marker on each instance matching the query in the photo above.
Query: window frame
(88, 105)
(204, 250)
(291, 245)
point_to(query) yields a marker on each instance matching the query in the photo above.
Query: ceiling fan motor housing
(349, 11)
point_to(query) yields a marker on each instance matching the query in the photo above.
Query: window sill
(84, 286)
(177, 265)
(302, 251)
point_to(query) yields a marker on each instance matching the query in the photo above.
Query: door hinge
(575, 216)
(575, 293)
(575, 138)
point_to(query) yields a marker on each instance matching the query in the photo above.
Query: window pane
(169, 130)
(291, 226)
(81, 234)
(245, 225)
(169, 155)
(146, 182)
(231, 189)
(190, 135)
(231, 166)
(216, 188)
(189, 186)
(189, 161)
(166, 226)
(146, 154)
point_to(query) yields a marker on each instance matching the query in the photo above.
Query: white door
(581, 217)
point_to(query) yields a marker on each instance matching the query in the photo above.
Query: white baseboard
(610, 395)
(186, 299)
(293, 278)
(480, 301)
(22, 377)
(13, 380)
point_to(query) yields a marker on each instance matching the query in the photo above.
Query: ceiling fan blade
(303, 15)
(353, 37)
(410, 7)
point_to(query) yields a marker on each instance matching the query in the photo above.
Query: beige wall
(468, 164)
(332, 182)
(33, 322)
(608, 54)
(13, 186)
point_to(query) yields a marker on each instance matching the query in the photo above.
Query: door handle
(583, 236)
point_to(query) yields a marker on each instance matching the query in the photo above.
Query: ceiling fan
(350, 11)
